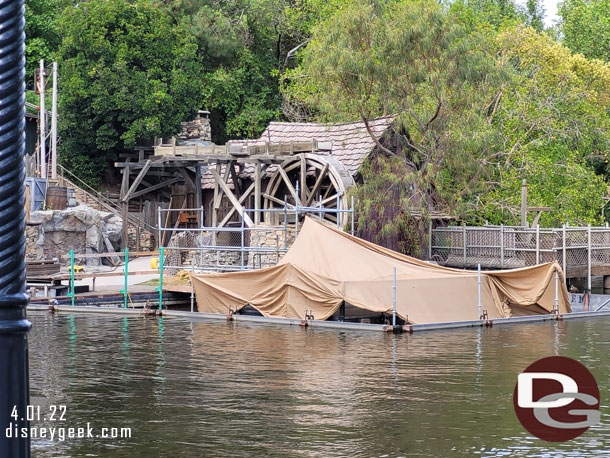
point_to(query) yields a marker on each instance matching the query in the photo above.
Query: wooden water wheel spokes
(319, 178)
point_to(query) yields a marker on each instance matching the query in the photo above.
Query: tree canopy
(128, 73)
(483, 94)
(478, 109)
(43, 37)
(585, 26)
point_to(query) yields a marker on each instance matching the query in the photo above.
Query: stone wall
(147, 240)
(271, 238)
(198, 128)
(54, 233)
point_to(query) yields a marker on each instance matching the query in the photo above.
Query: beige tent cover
(326, 266)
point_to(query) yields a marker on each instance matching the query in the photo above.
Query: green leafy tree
(585, 26)
(242, 45)
(492, 12)
(128, 73)
(535, 13)
(41, 30)
(416, 60)
(555, 132)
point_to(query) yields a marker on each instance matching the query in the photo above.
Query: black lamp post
(14, 326)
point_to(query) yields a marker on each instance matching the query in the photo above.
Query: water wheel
(320, 178)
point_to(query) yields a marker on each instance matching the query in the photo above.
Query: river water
(215, 389)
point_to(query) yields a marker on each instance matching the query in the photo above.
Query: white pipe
(564, 266)
(589, 259)
(352, 215)
(297, 209)
(54, 125)
(338, 205)
(430, 239)
(537, 244)
(43, 124)
(556, 291)
(502, 246)
(192, 287)
(394, 301)
(159, 242)
(320, 207)
(242, 241)
(479, 287)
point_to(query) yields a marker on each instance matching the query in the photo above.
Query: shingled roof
(351, 143)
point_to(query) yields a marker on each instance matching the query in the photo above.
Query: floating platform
(338, 325)
(112, 300)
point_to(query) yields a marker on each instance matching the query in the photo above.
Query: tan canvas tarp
(326, 267)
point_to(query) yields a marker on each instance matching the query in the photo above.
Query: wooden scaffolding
(303, 173)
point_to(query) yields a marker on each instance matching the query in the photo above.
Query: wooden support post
(234, 179)
(138, 226)
(216, 202)
(187, 178)
(257, 193)
(198, 201)
(218, 198)
(137, 181)
(165, 225)
(125, 225)
(125, 181)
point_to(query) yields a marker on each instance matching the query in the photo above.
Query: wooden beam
(160, 174)
(124, 181)
(277, 201)
(177, 223)
(125, 239)
(197, 189)
(327, 200)
(303, 196)
(235, 180)
(225, 187)
(218, 198)
(316, 186)
(288, 183)
(242, 198)
(257, 193)
(191, 161)
(215, 203)
(171, 199)
(137, 182)
(154, 187)
(187, 178)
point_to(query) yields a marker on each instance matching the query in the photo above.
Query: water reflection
(215, 389)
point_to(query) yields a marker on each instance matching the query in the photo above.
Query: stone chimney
(199, 128)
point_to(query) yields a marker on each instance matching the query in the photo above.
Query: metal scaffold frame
(211, 246)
